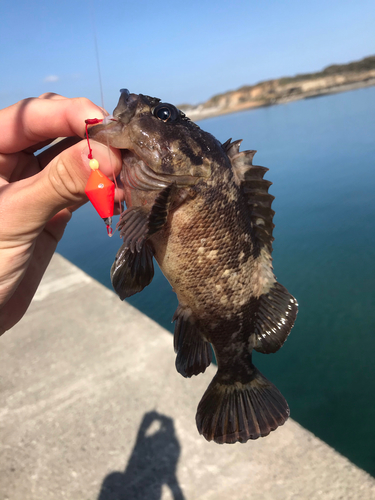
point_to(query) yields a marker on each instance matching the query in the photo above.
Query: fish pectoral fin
(137, 224)
(133, 268)
(232, 411)
(131, 271)
(274, 318)
(194, 353)
(133, 227)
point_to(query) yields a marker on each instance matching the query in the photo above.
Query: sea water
(321, 156)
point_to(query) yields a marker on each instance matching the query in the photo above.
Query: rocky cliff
(334, 78)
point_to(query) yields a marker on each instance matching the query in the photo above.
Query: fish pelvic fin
(274, 318)
(132, 272)
(237, 412)
(194, 353)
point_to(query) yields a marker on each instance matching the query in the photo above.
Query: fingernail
(97, 114)
(104, 111)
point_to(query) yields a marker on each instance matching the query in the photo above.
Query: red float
(99, 189)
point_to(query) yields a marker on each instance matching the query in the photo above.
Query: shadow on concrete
(152, 464)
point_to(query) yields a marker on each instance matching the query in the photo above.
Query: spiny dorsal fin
(226, 144)
(255, 188)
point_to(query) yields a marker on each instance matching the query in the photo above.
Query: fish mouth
(145, 166)
(136, 174)
(102, 132)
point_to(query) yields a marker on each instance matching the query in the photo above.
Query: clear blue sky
(183, 52)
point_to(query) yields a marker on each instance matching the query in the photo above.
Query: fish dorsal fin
(255, 189)
(226, 144)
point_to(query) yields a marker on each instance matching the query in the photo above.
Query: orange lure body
(99, 189)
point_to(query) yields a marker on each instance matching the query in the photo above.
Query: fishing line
(96, 170)
(97, 59)
(108, 221)
(102, 96)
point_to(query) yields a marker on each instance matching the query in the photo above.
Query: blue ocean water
(321, 156)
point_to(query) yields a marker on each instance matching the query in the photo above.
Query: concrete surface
(92, 408)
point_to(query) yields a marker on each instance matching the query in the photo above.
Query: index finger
(34, 120)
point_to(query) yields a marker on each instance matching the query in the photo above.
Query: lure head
(159, 135)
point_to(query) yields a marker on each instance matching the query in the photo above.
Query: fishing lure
(99, 189)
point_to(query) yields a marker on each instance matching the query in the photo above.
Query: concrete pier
(92, 408)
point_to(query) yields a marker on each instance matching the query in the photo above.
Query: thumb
(67, 174)
(59, 185)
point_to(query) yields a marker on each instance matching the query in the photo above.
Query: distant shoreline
(332, 90)
(331, 80)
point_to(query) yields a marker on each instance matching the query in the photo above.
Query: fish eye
(166, 112)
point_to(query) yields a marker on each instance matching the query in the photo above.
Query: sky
(182, 52)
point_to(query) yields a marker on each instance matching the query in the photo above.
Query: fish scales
(203, 211)
(204, 259)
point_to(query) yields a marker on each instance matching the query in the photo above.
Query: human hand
(39, 193)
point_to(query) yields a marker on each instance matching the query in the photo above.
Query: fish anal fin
(137, 224)
(237, 412)
(194, 353)
(274, 317)
(131, 271)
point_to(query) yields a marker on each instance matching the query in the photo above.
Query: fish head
(160, 136)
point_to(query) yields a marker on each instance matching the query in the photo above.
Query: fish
(202, 210)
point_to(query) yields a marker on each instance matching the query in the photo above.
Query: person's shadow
(152, 463)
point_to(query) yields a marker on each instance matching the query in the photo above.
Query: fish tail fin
(240, 411)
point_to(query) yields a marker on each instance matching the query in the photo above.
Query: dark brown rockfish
(202, 209)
